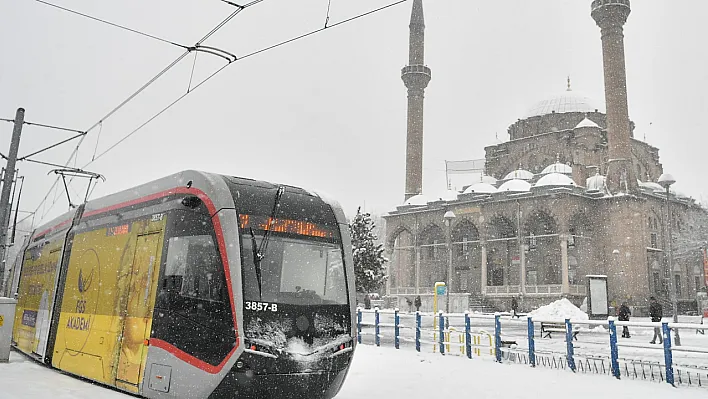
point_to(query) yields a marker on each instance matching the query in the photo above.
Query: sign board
(598, 304)
(440, 290)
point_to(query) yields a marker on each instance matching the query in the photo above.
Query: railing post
(532, 345)
(497, 337)
(396, 321)
(668, 357)
(358, 325)
(417, 330)
(377, 329)
(614, 353)
(569, 344)
(441, 327)
(468, 336)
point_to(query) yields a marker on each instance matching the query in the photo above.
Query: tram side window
(194, 268)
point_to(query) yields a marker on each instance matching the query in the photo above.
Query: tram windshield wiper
(256, 259)
(271, 219)
(259, 251)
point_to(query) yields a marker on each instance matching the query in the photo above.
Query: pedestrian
(624, 314)
(417, 303)
(656, 312)
(410, 304)
(514, 307)
(367, 302)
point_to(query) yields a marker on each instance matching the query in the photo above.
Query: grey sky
(329, 112)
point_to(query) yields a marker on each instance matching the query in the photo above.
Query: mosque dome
(489, 180)
(519, 174)
(597, 183)
(566, 101)
(447, 195)
(554, 179)
(652, 186)
(419, 199)
(481, 188)
(558, 168)
(515, 185)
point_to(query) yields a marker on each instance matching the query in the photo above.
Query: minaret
(416, 77)
(610, 16)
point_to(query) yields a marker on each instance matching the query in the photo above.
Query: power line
(136, 93)
(43, 125)
(181, 97)
(112, 24)
(263, 50)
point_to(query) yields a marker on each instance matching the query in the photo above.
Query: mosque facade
(573, 193)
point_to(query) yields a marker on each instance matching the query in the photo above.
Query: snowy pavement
(385, 373)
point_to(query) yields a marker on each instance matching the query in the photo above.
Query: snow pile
(559, 310)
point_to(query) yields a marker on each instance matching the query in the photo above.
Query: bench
(548, 328)
(693, 319)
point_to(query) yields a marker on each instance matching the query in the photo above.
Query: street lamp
(449, 216)
(666, 180)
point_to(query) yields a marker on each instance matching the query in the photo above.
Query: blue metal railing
(440, 335)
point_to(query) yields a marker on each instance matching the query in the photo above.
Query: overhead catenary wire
(112, 24)
(178, 99)
(43, 125)
(262, 50)
(74, 155)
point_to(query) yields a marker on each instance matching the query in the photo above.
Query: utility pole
(7, 188)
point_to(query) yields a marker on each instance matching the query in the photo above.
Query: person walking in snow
(623, 315)
(514, 307)
(656, 312)
(417, 303)
(367, 302)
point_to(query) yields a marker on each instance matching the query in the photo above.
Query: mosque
(573, 193)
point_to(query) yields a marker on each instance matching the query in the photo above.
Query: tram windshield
(294, 269)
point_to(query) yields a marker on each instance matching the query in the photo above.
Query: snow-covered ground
(386, 373)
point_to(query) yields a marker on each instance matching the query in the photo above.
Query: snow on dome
(481, 188)
(559, 310)
(554, 179)
(586, 123)
(650, 185)
(558, 168)
(515, 185)
(597, 183)
(567, 101)
(419, 199)
(519, 174)
(489, 179)
(448, 195)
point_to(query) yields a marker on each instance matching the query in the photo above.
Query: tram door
(137, 313)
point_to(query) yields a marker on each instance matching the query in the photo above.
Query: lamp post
(449, 216)
(666, 180)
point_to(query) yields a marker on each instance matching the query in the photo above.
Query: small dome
(558, 168)
(651, 186)
(515, 185)
(481, 188)
(597, 183)
(419, 199)
(586, 123)
(447, 195)
(519, 174)
(554, 179)
(489, 180)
